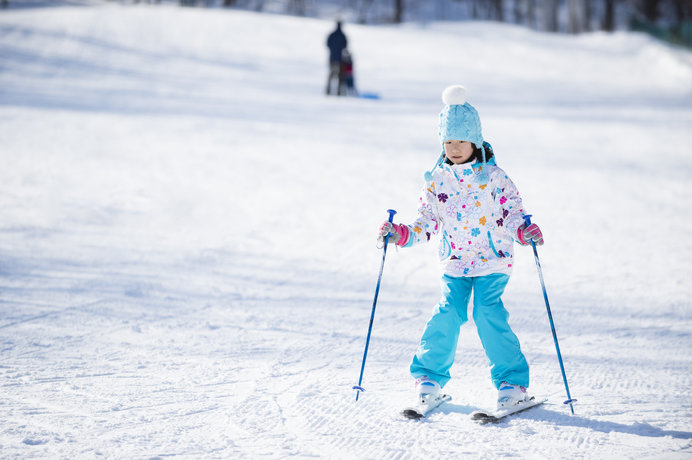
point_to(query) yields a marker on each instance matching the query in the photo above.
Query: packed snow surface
(187, 236)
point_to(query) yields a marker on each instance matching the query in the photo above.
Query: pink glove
(398, 234)
(531, 233)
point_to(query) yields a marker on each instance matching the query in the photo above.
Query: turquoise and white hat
(459, 119)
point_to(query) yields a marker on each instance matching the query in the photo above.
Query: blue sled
(369, 95)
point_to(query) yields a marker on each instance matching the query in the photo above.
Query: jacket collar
(459, 169)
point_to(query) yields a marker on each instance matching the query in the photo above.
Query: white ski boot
(428, 398)
(427, 390)
(511, 396)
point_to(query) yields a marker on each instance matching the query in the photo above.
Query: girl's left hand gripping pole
(358, 387)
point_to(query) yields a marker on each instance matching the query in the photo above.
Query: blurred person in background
(336, 42)
(347, 72)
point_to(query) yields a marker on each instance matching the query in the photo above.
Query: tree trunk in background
(363, 12)
(296, 7)
(650, 10)
(683, 10)
(519, 12)
(609, 16)
(398, 11)
(475, 14)
(499, 13)
(550, 15)
(531, 16)
(574, 17)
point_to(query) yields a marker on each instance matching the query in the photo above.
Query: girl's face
(458, 152)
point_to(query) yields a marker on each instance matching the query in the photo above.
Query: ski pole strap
(527, 219)
(527, 222)
(386, 238)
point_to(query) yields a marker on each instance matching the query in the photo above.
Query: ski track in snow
(187, 256)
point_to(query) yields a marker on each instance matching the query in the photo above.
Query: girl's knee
(490, 314)
(447, 312)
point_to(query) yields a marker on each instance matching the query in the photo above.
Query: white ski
(484, 417)
(420, 410)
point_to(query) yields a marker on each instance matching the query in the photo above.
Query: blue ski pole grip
(527, 219)
(391, 221)
(391, 214)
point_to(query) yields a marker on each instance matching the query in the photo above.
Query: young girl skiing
(478, 212)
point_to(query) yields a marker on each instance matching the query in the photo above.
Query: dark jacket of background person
(336, 43)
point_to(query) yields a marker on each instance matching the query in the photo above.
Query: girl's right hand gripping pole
(527, 219)
(358, 387)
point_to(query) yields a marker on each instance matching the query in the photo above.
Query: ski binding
(484, 417)
(421, 410)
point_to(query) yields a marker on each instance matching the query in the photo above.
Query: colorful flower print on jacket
(477, 222)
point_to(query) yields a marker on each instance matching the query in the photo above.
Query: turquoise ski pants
(438, 345)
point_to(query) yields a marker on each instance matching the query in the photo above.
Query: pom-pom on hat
(459, 119)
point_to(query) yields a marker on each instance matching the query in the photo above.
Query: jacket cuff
(520, 236)
(403, 232)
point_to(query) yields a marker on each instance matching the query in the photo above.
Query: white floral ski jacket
(478, 218)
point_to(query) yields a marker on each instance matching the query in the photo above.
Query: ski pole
(358, 387)
(527, 219)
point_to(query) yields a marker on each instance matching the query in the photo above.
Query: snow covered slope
(187, 236)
